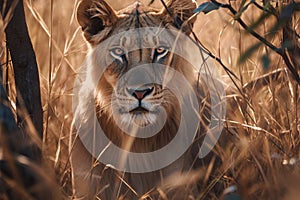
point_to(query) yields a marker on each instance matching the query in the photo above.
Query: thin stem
(50, 73)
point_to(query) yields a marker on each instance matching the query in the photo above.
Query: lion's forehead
(149, 37)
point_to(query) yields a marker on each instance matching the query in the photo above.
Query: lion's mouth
(139, 110)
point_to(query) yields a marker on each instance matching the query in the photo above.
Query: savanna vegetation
(248, 39)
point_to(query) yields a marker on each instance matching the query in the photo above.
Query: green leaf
(151, 2)
(264, 16)
(266, 62)
(206, 7)
(249, 53)
(242, 9)
(297, 6)
(232, 197)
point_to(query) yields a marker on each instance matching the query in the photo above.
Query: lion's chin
(140, 122)
(142, 119)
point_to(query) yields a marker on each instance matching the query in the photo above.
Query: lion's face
(132, 89)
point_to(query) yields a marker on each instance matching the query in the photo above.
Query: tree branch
(279, 51)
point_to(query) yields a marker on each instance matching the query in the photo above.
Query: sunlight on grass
(259, 151)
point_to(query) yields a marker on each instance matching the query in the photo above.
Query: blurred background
(60, 49)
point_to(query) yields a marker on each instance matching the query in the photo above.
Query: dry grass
(262, 150)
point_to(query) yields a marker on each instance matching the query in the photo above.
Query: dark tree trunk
(29, 107)
(19, 151)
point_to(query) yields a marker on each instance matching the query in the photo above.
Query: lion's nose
(140, 94)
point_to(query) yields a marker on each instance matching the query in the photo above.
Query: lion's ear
(94, 16)
(178, 12)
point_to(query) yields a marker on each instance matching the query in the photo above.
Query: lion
(138, 92)
(131, 90)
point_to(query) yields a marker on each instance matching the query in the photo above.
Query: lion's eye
(160, 52)
(117, 53)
